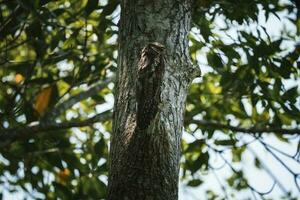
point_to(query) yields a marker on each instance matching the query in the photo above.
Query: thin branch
(278, 159)
(269, 172)
(254, 129)
(9, 19)
(15, 44)
(280, 151)
(53, 59)
(59, 109)
(223, 188)
(248, 185)
(19, 133)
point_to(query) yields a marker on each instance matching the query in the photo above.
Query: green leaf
(225, 142)
(100, 147)
(195, 146)
(200, 162)
(91, 6)
(257, 163)
(214, 60)
(195, 182)
(291, 95)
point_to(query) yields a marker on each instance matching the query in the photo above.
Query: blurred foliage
(52, 51)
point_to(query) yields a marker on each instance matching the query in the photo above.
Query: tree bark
(154, 72)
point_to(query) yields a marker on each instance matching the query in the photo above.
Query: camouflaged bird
(150, 73)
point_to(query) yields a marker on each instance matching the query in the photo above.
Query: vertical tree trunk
(154, 72)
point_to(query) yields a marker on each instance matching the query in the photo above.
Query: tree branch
(253, 129)
(20, 133)
(60, 108)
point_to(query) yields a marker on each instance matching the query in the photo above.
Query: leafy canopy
(57, 65)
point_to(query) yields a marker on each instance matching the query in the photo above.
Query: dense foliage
(57, 66)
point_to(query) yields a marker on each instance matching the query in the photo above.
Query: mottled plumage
(148, 89)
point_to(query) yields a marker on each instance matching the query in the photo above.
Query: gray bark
(145, 145)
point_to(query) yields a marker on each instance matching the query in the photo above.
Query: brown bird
(148, 87)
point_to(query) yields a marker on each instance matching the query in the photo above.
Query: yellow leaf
(19, 78)
(214, 89)
(63, 175)
(42, 100)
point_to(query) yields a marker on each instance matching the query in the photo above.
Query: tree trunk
(154, 72)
